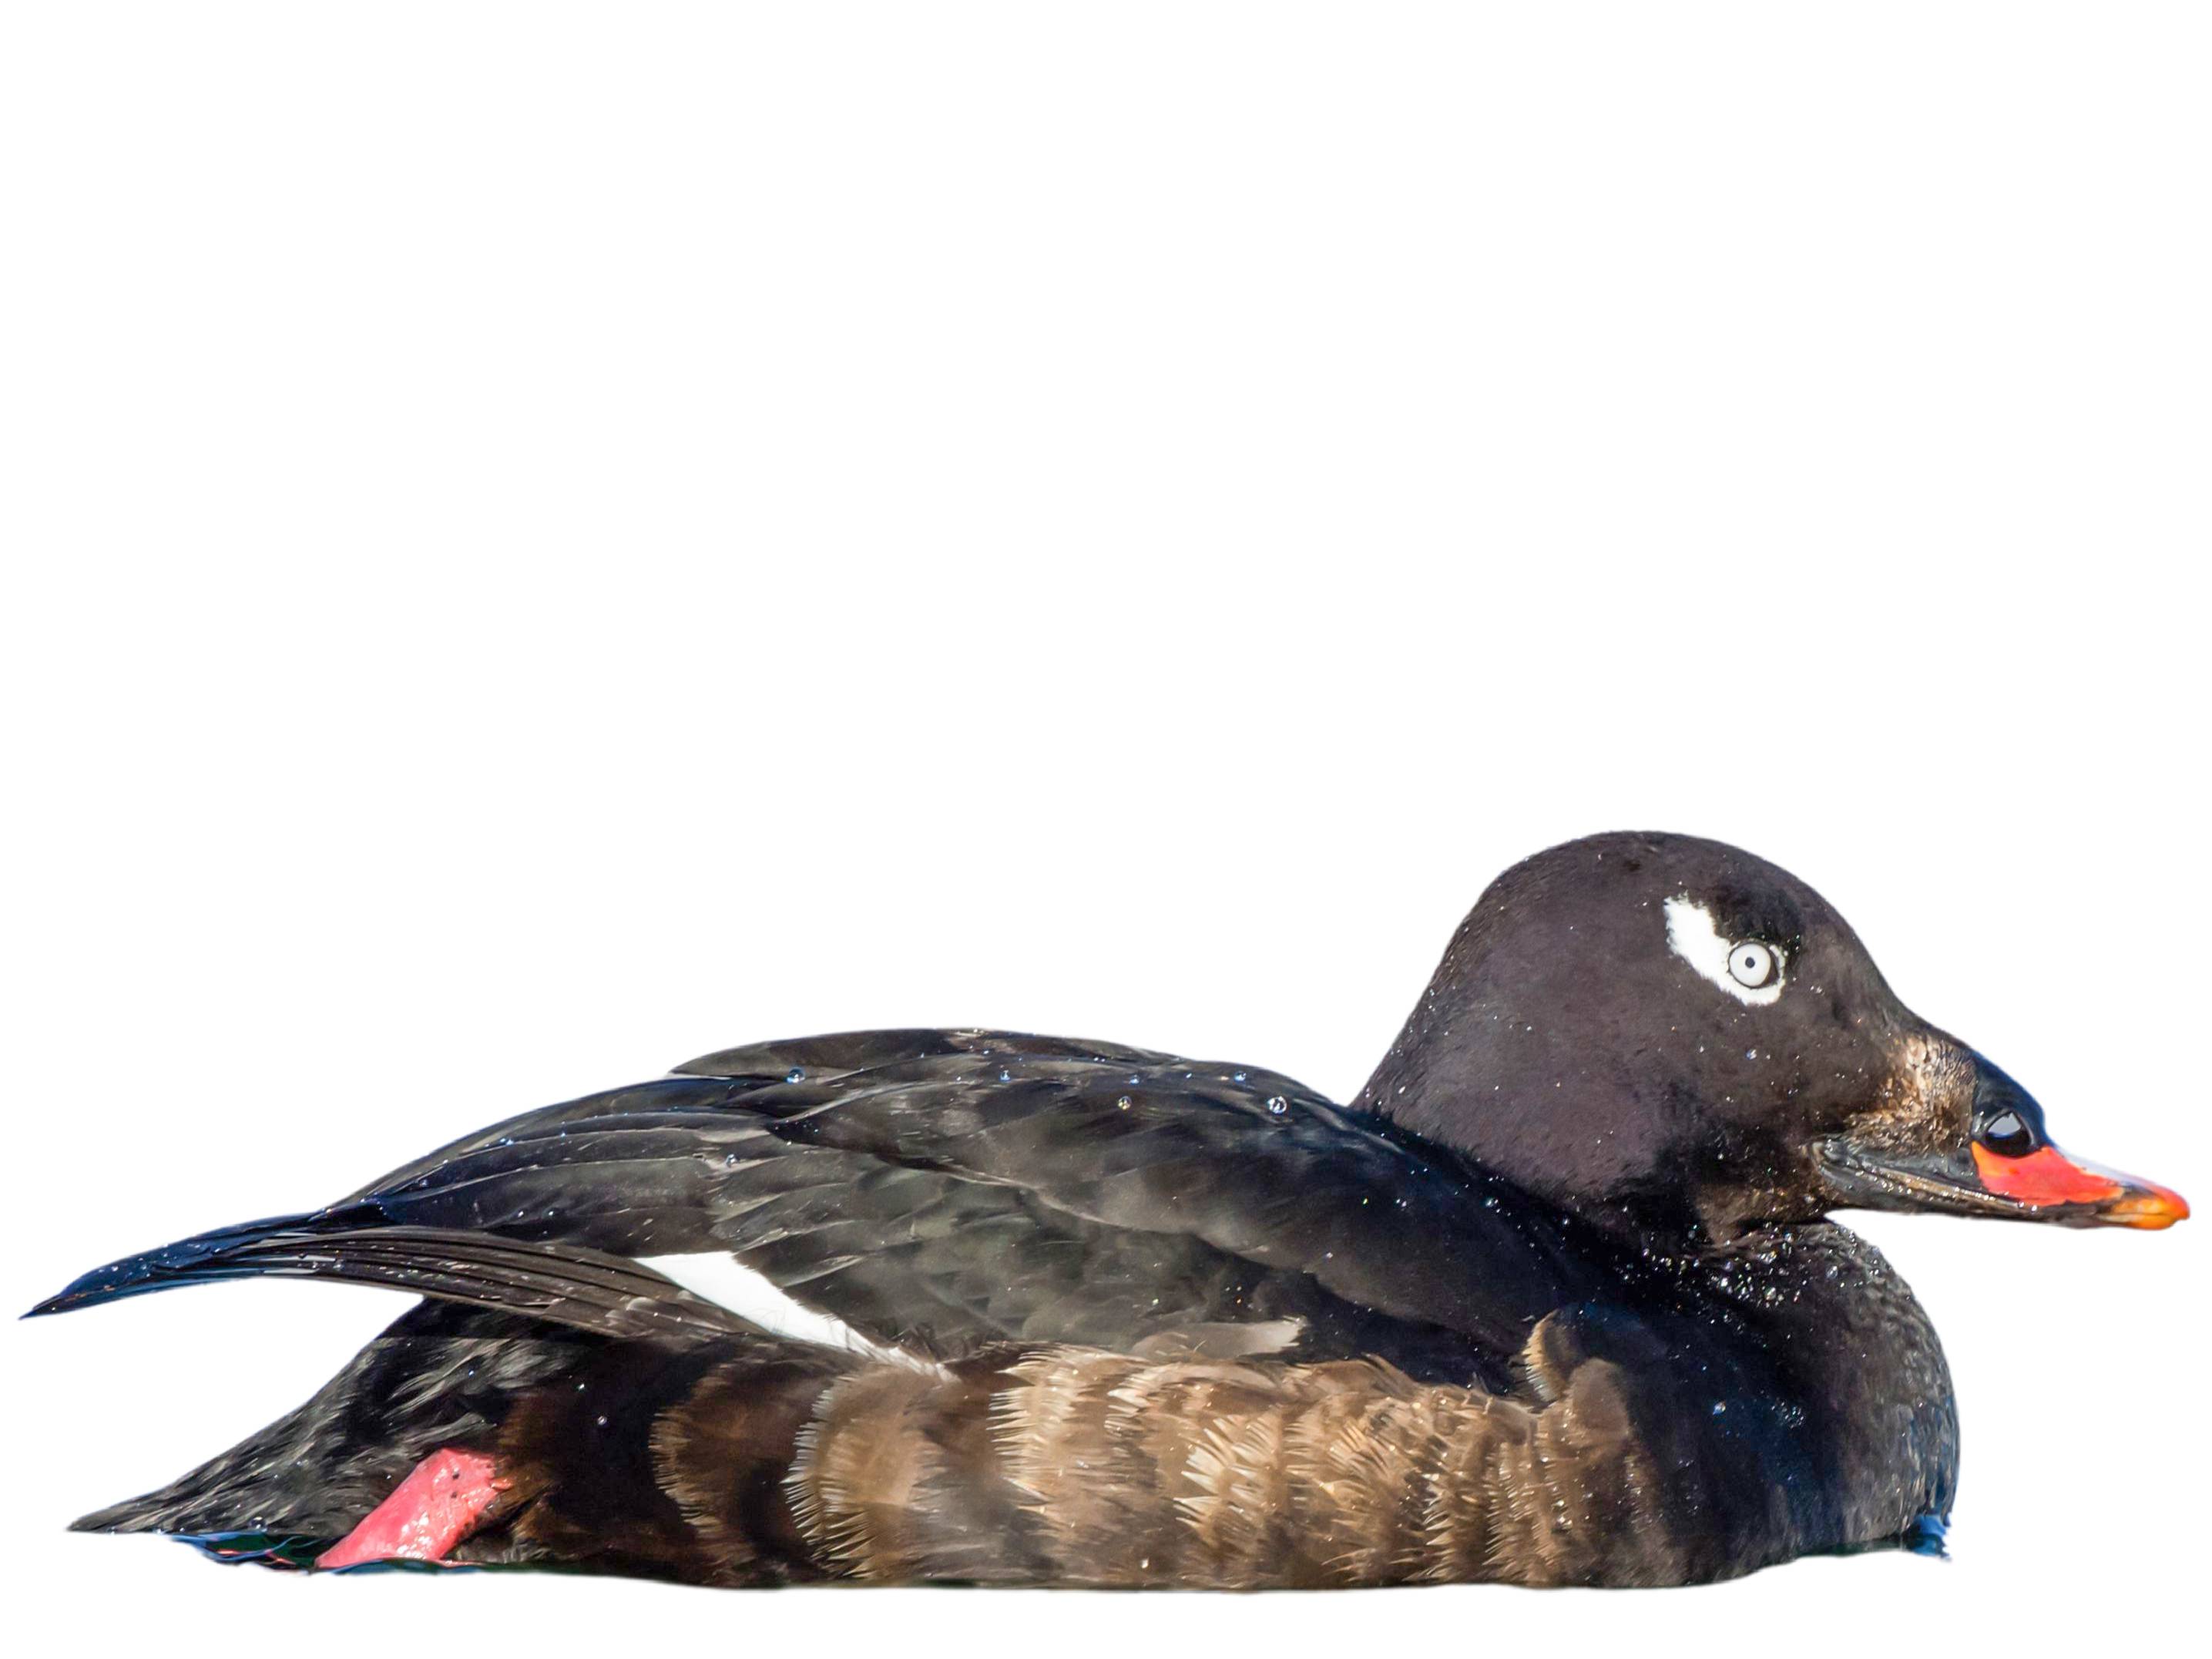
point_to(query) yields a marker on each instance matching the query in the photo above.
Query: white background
(543, 541)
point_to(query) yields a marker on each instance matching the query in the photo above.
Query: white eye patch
(1748, 969)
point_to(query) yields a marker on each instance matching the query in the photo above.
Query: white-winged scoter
(1553, 1301)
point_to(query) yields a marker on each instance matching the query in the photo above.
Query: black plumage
(1571, 1228)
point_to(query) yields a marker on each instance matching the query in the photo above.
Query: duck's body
(1107, 1317)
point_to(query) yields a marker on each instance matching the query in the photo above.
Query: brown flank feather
(1075, 1466)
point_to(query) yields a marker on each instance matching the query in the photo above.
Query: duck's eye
(2006, 1134)
(1750, 964)
(1750, 969)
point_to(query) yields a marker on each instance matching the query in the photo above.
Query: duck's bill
(2044, 1185)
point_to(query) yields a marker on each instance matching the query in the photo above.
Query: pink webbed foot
(428, 1514)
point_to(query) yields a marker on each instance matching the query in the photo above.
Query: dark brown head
(1668, 1029)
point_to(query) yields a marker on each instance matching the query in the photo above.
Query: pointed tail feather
(561, 1284)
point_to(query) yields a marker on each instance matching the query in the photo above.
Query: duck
(1555, 1299)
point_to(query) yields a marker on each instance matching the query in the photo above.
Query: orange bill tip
(2148, 1205)
(2046, 1176)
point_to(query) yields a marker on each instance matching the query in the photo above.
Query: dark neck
(1573, 1146)
(1578, 1132)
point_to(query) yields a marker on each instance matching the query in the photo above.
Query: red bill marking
(2047, 1176)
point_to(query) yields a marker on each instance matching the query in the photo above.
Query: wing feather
(965, 1187)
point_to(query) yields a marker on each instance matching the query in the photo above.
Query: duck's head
(1670, 1030)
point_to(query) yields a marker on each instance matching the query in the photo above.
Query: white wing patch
(723, 1280)
(1692, 936)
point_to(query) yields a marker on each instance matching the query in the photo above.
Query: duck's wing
(957, 1188)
